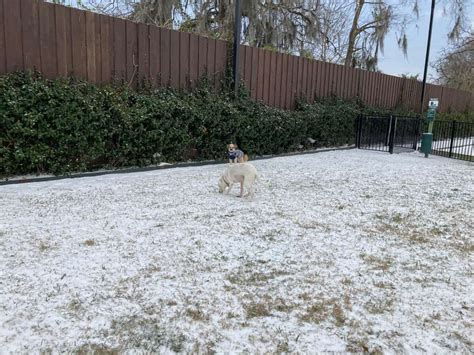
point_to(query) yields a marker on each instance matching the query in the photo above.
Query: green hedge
(65, 125)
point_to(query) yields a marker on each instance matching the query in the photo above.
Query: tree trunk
(353, 34)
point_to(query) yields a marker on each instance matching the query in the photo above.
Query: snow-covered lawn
(461, 146)
(339, 251)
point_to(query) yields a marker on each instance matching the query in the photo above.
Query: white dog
(244, 173)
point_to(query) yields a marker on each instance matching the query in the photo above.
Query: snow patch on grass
(339, 251)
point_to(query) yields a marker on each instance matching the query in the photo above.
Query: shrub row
(66, 125)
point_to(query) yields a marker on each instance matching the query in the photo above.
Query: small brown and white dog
(244, 173)
(235, 154)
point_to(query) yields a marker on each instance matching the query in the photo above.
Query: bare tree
(455, 67)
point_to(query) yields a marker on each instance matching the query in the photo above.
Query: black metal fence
(388, 133)
(453, 139)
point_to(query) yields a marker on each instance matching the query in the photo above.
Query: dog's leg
(241, 188)
(249, 182)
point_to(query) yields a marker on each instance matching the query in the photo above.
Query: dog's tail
(246, 158)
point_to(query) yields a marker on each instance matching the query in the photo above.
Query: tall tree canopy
(455, 66)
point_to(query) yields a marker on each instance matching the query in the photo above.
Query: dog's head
(222, 185)
(231, 147)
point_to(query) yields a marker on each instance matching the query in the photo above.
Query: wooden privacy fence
(63, 41)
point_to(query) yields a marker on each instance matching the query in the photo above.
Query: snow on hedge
(339, 251)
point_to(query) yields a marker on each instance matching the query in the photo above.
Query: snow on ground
(462, 146)
(339, 251)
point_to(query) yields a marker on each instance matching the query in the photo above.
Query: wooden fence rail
(63, 41)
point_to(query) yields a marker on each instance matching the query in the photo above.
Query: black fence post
(453, 130)
(391, 141)
(359, 131)
(419, 123)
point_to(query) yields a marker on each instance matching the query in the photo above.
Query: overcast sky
(393, 61)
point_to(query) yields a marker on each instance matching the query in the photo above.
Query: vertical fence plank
(3, 64)
(332, 79)
(308, 73)
(13, 35)
(304, 77)
(373, 90)
(327, 79)
(294, 83)
(389, 85)
(284, 81)
(30, 35)
(377, 94)
(319, 79)
(155, 56)
(174, 63)
(266, 75)
(350, 83)
(338, 80)
(355, 83)
(369, 87)
(202, 66)
(106, 48)
(98, 48)
(165, 53)
(315, 79)
(183, 60)
(48, 40)
(248, 68)
(241, 69)
(286, 94)
(272, 84)
(309, 80)
(254, 74)
(344, 88)
(312, 80)
(395, 91)
(120, 50)
(360, 86)
(193, 59)
(90, 46)
(260, 76)
(365, 85)
(389, 93)
(78, 30)
(289, 82)
(143, 53)
(300, 82)
(63, 42)
(211, 60)
(221, 62)
(379, 87)
(278, 77)
(132, 53)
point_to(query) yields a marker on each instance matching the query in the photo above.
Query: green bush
(456, 116)
(66, 125)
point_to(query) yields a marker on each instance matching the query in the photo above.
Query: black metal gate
(453, 139)
(388, 133)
